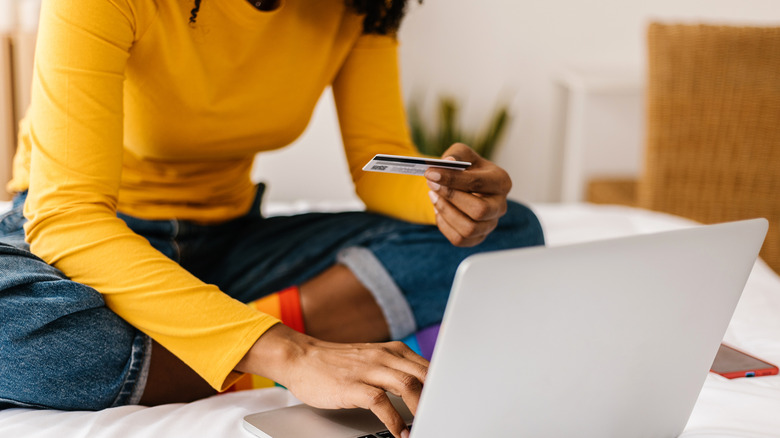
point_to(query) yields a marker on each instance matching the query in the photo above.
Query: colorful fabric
(424, 341)
(285, 305)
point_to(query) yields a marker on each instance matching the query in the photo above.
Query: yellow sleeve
(76, 129)
(368, 99)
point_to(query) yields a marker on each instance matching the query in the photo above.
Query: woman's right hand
(340, 376)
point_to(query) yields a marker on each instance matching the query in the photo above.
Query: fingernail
(405, 433)
(451, 158)
(434, 186)
(433, 176)
(434, 197)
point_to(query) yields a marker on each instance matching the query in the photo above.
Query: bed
(745, 408)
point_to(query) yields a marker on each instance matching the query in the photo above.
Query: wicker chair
(713, 126)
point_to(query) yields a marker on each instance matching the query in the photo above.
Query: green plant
(449, 130)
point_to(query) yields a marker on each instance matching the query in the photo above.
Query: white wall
(480, 50)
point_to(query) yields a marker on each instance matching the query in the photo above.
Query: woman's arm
(76, 130)
(373, 121)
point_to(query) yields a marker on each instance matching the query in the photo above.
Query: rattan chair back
(713, 125)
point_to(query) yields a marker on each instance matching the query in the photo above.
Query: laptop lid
(602, 339)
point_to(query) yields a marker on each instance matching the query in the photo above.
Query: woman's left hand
(468, 203)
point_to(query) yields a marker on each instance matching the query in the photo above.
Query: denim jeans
(61, 347)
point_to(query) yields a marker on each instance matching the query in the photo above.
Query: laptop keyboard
(382, 434)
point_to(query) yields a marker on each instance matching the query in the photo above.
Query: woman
(145, 238)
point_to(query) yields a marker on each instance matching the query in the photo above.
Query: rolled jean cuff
(138, 370)
(370, 272)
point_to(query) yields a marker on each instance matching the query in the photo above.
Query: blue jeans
(61, 347)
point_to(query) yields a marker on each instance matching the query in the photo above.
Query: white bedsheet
(744, 408)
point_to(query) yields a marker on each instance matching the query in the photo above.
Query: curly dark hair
(194, 12)
(382, 16)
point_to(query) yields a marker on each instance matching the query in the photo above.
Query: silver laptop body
(611, 338)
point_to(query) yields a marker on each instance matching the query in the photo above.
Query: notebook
(611, 338)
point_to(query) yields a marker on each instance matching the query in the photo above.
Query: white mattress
(745, 408)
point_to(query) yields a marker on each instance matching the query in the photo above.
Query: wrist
(273, 352)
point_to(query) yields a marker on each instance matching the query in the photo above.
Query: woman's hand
(468, 203)
(330, 375)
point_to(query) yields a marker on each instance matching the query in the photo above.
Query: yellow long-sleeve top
(135, 110)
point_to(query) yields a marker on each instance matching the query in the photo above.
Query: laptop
(611, 338)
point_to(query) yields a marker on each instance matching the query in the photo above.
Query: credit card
(410, 165)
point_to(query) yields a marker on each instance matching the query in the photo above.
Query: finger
(478, 208)
(490, 180)
(403, 351)
(397, 382)
(377, 401)
(463, 225)
(395, 349)
(405, 360)
(453, 235)
(416, 365)
(448, 231)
